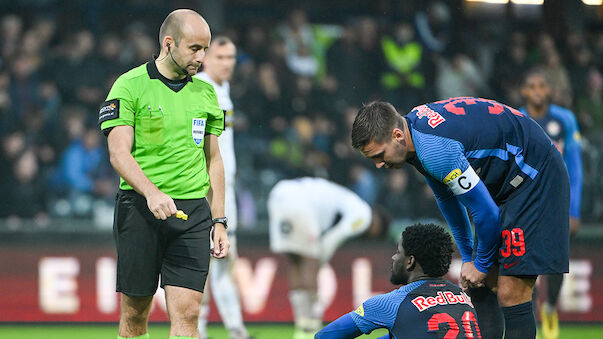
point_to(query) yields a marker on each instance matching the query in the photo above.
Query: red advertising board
(55, 282)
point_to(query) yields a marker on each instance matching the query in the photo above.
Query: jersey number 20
(433, 324)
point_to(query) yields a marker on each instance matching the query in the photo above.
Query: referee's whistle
(181, 215)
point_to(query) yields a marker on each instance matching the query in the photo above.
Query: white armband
(461, 183)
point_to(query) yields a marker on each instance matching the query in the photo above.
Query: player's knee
(135, 318)
(513, 293)
(186, 314)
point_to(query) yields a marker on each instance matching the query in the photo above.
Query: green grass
(270, 331)
(157, 331)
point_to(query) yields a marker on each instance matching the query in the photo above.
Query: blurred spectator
(82, 174)
(397, 198)
(562, 92)
(403, 79)
(364, 183)
(510, 65)
(433, 27)
(27, 194)
(356, 61)
(299, 41)
(459, 77)
(11, 27)
(590, 104)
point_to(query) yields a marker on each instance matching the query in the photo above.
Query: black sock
(519, 321)
(489, 316)
(553, 287)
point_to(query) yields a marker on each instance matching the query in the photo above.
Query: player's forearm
(458, 221)
(120, 141)
(130, 171)
(342, 328)
(215, 195)
(487, 224)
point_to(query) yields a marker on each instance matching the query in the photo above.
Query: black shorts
(535, 224)
(147, 247)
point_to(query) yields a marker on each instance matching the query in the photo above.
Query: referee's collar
(172, 84)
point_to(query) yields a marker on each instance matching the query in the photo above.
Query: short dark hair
(221, 40)
(537, 70)
(374, 122)
(431, 246)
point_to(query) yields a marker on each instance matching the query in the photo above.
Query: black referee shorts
(176, 249)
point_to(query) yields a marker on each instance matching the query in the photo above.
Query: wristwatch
(223, 221)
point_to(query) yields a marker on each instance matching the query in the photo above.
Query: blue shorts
(535, 224)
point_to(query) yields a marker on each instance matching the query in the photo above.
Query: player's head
(379, 134)
(186, 36)
(536, 88)
(423, 250)
(220, 59)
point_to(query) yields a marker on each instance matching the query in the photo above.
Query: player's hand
(471, 277)
(161, 205)
(220, 241)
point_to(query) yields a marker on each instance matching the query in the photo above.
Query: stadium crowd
(299, 82)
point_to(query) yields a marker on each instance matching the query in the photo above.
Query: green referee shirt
(170, 120)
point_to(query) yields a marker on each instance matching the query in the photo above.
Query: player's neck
(215, 79)
(537, 111)
(165, 67)
(408, 136)
(418, 276)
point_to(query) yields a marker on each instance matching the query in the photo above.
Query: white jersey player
(309, 219)
(218, 67)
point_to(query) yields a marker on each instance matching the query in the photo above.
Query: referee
(162, 127)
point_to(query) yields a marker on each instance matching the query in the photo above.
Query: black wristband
(223, 221)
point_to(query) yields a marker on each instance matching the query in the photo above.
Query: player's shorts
(176, 249)
(293, 227)
(535, 224)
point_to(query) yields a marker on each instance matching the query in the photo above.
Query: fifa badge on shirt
(198, 131)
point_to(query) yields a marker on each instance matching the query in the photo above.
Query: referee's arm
(120, 141)
(215, 195)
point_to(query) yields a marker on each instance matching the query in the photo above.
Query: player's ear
(411, 263)
(397, 134)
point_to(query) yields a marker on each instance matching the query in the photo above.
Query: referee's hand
(161, 205)
(220, 241)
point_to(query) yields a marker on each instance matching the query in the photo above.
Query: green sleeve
(119, 107)
(215, 115)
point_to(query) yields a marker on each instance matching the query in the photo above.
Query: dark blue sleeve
(486, 218)
(573, 161)
(456, 217)
(380, 311)
(444, 159)
(342, 328)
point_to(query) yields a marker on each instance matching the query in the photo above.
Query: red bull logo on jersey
(442, 298)
(433, 118)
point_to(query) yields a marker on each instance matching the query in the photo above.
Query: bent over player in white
(217, 69)
(309, 219)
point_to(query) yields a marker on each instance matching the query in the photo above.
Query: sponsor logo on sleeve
(442, 298)
(109, 110)
(452, 175)
(433, 118)
(461, 183)
(360, 311)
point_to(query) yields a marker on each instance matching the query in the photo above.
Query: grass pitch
(259, 331)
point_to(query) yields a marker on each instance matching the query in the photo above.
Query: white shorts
(295, 228)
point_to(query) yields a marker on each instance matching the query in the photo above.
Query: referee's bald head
(178, 22)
